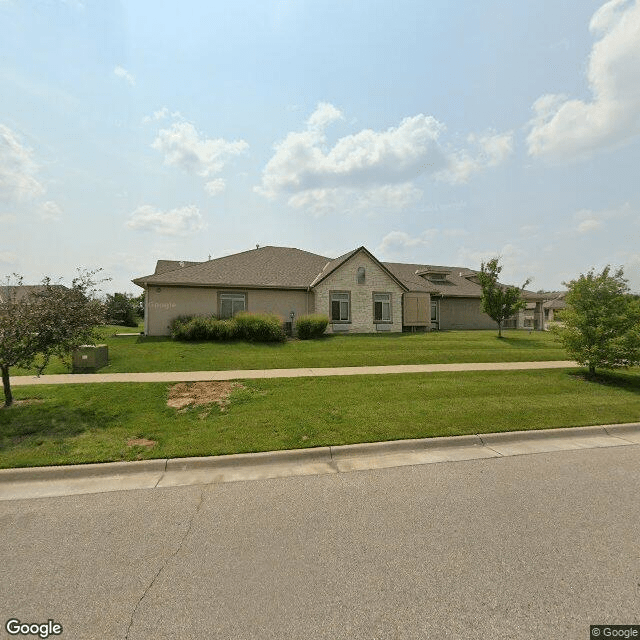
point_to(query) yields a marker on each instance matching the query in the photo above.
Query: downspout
(146, 309)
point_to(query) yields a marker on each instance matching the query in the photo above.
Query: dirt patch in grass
(19, 403)
(141, 442)
(186, 394)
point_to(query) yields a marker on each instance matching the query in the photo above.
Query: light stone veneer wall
(165, 303)
(376, 280)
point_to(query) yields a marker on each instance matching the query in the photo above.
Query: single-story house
(17, 293)
(356, 291)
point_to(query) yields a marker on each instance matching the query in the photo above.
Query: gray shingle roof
(271, 267)
(290, 268)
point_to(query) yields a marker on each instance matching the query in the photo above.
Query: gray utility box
(88, 358)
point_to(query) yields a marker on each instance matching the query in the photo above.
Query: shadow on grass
(627, 381)
(41, 421)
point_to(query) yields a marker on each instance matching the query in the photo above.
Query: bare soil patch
(141, 442)
(19, 403)
(185, 394)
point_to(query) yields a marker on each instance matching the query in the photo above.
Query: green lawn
(92, 423)
(140, 353)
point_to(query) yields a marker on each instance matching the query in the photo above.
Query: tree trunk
(499, 329)
(592, 369)
(6, 385)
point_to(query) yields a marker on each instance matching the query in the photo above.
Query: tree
(120, 308)
(498, 301)
(600, 328)
(39, 322)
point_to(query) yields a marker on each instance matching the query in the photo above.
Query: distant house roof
(18, 293)
(290, 268)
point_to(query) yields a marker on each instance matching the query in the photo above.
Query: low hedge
(245, 326)
(311, 326)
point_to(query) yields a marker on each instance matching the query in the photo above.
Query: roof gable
(334, 265)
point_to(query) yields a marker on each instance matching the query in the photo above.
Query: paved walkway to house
(245, 374)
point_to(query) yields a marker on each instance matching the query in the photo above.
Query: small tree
(48, 320)
(600, 328)
(498, 301)
(120, 308)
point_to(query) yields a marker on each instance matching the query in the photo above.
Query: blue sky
(430, 132)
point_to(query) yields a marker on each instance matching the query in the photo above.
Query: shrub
(120, 309)
(246, 326)
(259, 327)
(311, 326)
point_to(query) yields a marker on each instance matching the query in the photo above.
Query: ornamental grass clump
(311, 326)
(259, 327)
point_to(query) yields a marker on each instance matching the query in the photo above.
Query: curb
(317, 455)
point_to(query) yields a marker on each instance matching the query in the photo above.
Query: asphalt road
(533, 546)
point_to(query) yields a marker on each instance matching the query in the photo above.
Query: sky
(432, 132)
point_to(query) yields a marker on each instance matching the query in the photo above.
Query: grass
(70, 424)
(141, 353)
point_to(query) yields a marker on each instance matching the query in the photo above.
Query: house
(553, 304)
(359, 293)
(18, 293)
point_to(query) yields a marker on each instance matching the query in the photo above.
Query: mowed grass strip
(70, 424)
(141, 353)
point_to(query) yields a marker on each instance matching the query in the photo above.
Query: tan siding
(166, 303)
(463, 313)
(376, 280)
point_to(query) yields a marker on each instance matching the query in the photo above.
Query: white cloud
(6, 257)
(591, 224)
(183, 146)
(398, 242)
(589, 220)
(121, 72)
(564, 127)
(369, 164)
(215, 187)
(488, 150)
(176, 222)
(50, 211)
(162, 114)
(17, 169)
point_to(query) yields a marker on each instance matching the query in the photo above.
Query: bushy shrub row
(311, 326)
(244, 326)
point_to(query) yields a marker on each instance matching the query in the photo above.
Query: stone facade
(361, 318)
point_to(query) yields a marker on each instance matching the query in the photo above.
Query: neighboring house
(553, 304)
(359, 293)
(17, 293)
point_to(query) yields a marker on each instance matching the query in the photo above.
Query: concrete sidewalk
(246, 374)
(44, 482)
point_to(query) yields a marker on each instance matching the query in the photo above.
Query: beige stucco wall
(463, 313)
(376, 280)
(166, 303)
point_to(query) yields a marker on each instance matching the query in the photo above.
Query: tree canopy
(600, 328)
(498, 301)
(37, 323)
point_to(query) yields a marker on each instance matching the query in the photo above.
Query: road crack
(165, 563)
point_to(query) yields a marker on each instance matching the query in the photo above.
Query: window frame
(231, 294)
(341, 300)
(389, 302)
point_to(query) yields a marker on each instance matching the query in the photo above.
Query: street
(529, 546)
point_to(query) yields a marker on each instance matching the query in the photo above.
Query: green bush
(245, 326)
(311, 326)
(259, 327)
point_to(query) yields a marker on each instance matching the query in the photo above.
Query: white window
(382, 307)
(435, 314)
(340, 306)
(232, 303)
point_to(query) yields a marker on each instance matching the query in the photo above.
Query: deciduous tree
(600, 328)
(498, 301)
(39, 322)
